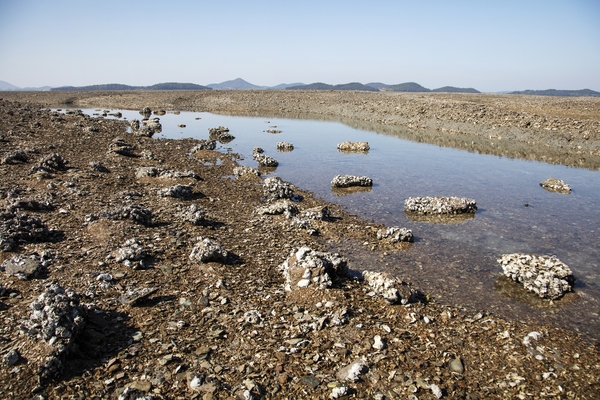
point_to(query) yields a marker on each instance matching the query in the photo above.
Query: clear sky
(489, 45)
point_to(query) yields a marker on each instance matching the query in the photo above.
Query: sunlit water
(455, 262)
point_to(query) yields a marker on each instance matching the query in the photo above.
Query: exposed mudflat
(227, 328)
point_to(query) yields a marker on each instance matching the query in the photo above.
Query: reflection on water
(440, 219)
(340, 192)
(455, 262)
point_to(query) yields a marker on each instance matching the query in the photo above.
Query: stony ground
(140, 318)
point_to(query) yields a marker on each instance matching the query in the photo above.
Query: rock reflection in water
(440, 219)
(509, 289)
(340, 192)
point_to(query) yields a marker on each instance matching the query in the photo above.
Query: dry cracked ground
(138, 268)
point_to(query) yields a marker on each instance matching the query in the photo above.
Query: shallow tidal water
(455, 262)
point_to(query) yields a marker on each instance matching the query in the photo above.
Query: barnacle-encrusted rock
(134, 124)
(354, 146)
(56, 318)
(275, 188)
(206, 251)
(98, 166)
(305, 267)
(556, 185)
(285, 146)
(16, 156)
(546, 276)
(440, 205)
(220, 134)
(132, 250)
(396, 234)
(320, 213)
(280, 207)
(343, 181)
(384, 285)
(194, 215)
(118, 146)
(51, 162)
(155, 172)
(241, 171)
(177, 191)
(135, 213)
(204, 145)
(18, 227)
(262, 159)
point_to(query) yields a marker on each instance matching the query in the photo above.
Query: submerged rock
(354, 146)
(305, 267)
(220, 134)
(396, 234)
(440, 205)
(285, 146)
(546, 276)
(556, 185)
(343, 181)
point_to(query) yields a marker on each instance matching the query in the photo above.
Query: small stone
(456, 365)
(311, 381)
(11, 358)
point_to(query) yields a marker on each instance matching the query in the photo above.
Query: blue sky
(489, 45)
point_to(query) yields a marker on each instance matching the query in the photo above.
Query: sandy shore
(148, 317)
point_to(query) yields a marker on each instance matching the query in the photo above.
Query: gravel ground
(126, 299)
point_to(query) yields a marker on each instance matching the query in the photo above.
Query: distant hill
(236, 84)
(406, 87)
(554, 92)
(5, 86)
(118, 86)
(377, 85)
(283, 86)
(452, 89)
(325, 86)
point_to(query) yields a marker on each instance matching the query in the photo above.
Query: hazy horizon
(491, 47)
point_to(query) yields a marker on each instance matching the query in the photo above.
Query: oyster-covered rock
(556, 185)
(280, 207)
(56, 318)
(220, 134)
(208, 251)
(396, 234)
(241, 171)
(262, 159)
(24, 267)
(177, 191)
(118, 146)
(305, 267)
(344, 181)
(132, 251)
(194, 215)
(18, 227)
(285, 146)
(319, 213)
(204, 145)
(546, 276)
(354, 146)
(393, 290)
(440, 205)
(155, 172)
(275, 188)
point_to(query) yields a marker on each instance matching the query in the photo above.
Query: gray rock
(308, 268)
(384, 285)
(134, 296)
(546, 276)
(97, 166)
(11, 358)
(319, 213)
(14, 157)
(440, 205)
(206, 251)
(23, 267)
(344, 181)
(456, 365)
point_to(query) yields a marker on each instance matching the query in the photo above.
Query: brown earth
(197, 322)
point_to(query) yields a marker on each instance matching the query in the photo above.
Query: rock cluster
(243, 170)
(353, 146)
(204, 144)
(16, 227)
(396, 234)
(207, 250)
(56, 318)
(119, 146)
(556, 185)
(262, 159)
(284, 146)
(220, 134)
(440, 205)
(274, 188)
(306, 267)
(546, 276)
(155, 172)
(344, 181)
